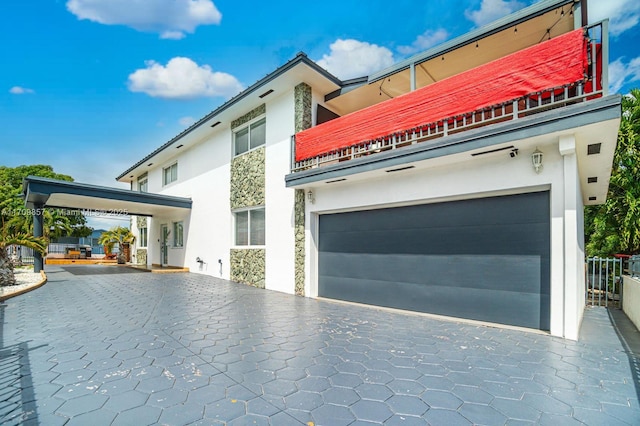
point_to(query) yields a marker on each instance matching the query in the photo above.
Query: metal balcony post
(605, 57)
(292, 152)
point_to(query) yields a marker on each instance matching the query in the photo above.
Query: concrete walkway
(135, 349)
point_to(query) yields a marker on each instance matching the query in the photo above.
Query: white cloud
(186, 121)
(621, 73)
(424, 41)
(172, 35)
(18, 90)
(352, 58)
(490, 10)
(623, 14)
(182, 78)
(171, 18)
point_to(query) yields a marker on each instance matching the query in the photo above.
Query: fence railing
(20, 255)
(634, 266)
(24, 255)
(604, 282)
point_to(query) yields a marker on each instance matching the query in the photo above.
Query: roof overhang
(517, 31)
(52, 193)
(517, 18)
(299, 69)
(592, 122)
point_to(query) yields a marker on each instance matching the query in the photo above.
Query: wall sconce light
(311, 197)
(536, 160)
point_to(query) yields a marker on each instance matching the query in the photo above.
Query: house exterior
(452, 183)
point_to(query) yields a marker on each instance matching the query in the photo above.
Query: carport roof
(54, 193)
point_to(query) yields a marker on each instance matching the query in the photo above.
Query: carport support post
(38, 220)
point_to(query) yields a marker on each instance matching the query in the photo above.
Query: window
(170, 174)
(250, 137)
(250, 227)
(143, 183)
(144, 236)
(178, 234)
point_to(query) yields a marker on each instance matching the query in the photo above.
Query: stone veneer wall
(299, 245)
(141, 256)
(302, 110)
(141, 253)
(302, 106)
(248, 266)
(248, 179)
(248, 190)
(257, 112)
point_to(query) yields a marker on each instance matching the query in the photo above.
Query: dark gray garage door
(485, 259)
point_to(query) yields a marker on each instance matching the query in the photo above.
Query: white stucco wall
(631, 299)
(204, 176)
(470, 177)
(280, 239)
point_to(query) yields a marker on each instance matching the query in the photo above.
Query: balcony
(548, 75)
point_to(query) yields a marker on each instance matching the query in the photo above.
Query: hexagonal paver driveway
(180, 349)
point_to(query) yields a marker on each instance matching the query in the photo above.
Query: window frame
(248, 126)
(143, 237)
(248, 210)
(143, 179)
(177, 234)
(173, 166)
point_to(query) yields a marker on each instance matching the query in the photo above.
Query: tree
(7, 238)
(118, 235)
(57, 223)
(614, 227)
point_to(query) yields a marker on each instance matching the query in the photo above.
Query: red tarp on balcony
(556, 62)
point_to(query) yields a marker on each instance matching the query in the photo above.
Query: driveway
(134, 349)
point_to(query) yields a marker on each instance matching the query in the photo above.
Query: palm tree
(39, 244)
(120, 235)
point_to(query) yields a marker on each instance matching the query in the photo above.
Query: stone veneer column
(302, 108)
(141, 253)
(248, 190)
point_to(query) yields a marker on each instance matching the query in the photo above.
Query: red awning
(553, 63)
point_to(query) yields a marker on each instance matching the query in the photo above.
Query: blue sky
(92, 86)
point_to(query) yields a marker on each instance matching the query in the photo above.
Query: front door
(164, 239)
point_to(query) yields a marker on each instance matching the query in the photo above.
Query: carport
(40, 193)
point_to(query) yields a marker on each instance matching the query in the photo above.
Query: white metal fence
(604, 282)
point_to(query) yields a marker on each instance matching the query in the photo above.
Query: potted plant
(108, 248)
(120, 235)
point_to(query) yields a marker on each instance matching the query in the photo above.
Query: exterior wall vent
(400, 169)
(268, 92)
(594, 148)
(492, 151)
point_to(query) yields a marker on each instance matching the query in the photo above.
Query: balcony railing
(524, 106)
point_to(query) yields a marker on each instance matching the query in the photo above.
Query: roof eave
(300, 58)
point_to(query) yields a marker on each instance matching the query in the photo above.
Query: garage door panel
(519, 274)
(505, 239)
(522, 309)
(486, 259)
(470, 212)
